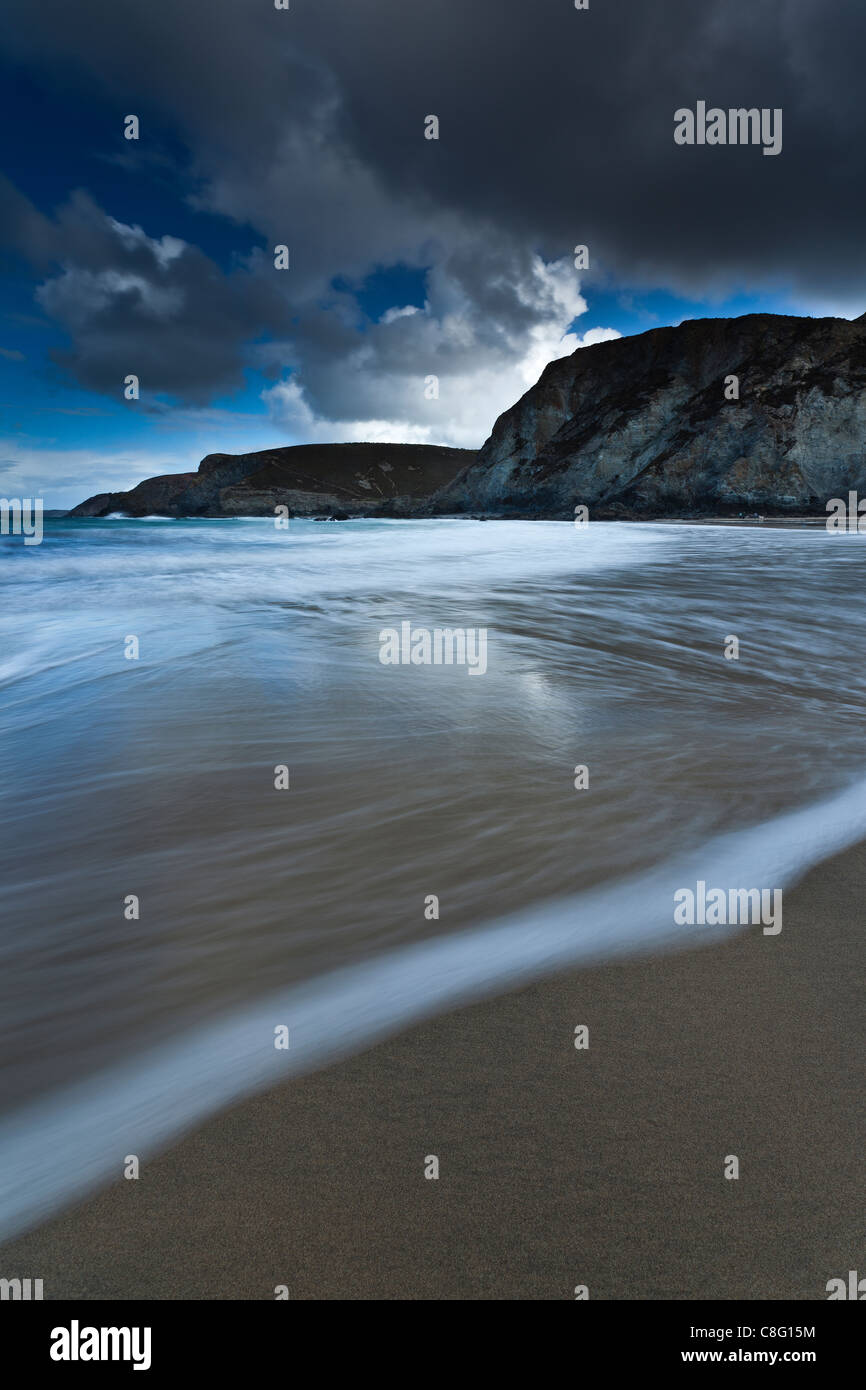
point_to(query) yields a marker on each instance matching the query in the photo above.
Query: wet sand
(558, 1167)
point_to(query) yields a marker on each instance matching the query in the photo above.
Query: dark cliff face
(641, 426)
(310, 479)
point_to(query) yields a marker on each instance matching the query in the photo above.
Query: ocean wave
(66, 1144)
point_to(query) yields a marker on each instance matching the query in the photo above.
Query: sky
(408, 257)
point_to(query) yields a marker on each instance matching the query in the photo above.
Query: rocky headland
(718, 417)
(310, 479)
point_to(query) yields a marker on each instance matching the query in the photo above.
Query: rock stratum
(637, 427)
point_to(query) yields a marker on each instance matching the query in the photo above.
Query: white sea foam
(66, 1144)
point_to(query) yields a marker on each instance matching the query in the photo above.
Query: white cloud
(288, 406)
(390, 315)
(163, 249)
(598, 335)
(487, 337)
(79, 296)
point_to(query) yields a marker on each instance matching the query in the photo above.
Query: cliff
(310, 479)
(641, 426)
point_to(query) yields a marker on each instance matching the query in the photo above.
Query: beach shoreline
(558, 1167)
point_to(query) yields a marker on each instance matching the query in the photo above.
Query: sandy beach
(432, 680)
(558, 1167)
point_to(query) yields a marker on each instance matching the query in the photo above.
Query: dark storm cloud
(154, 307)
(556, 128)
(558, 125)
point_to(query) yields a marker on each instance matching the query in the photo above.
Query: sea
(237, 844)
